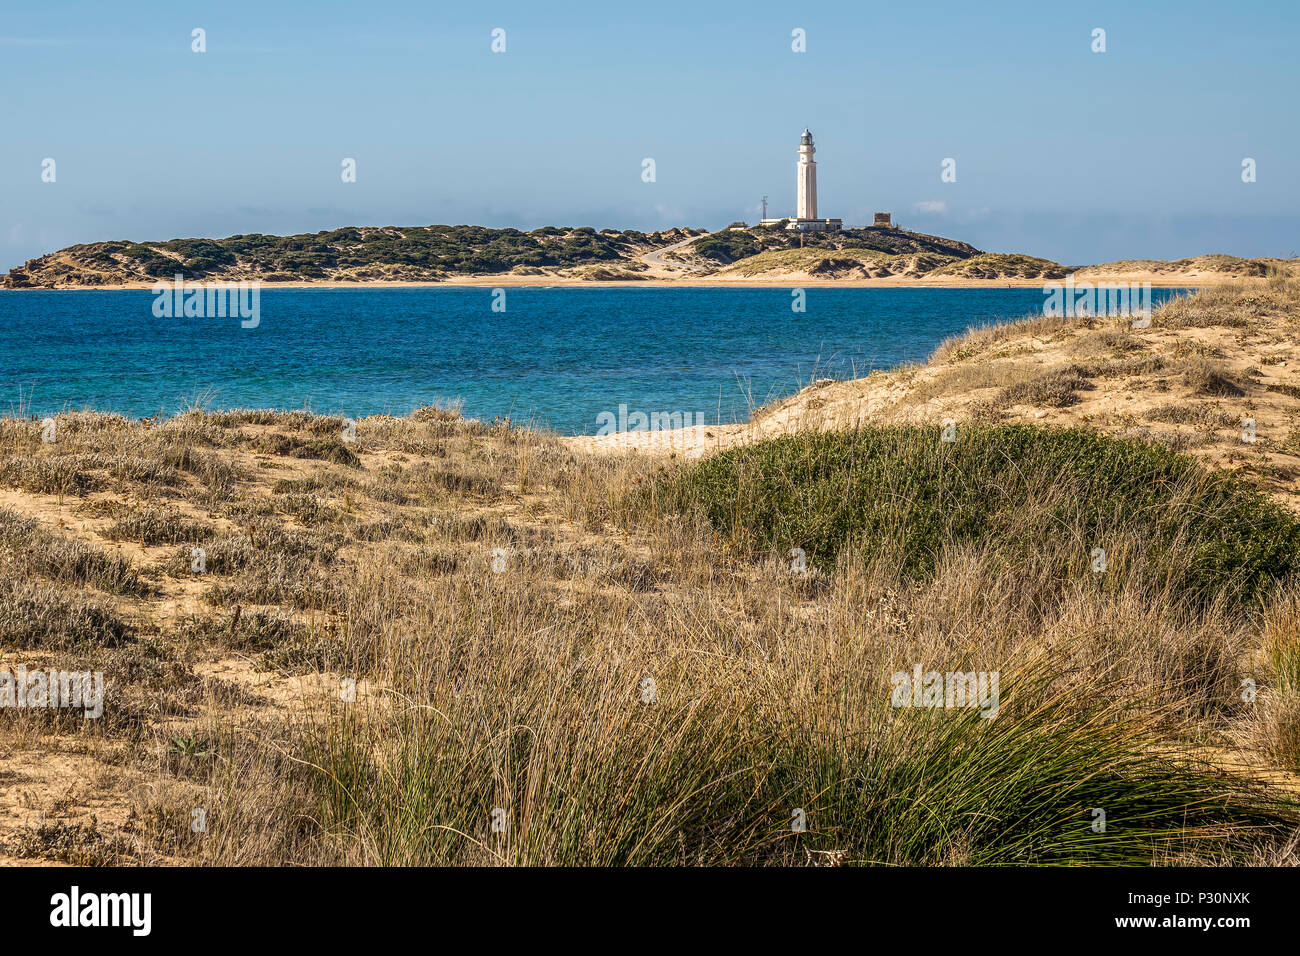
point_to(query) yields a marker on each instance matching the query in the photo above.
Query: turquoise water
(556, 357)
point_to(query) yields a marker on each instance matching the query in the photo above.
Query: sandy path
(660, 268)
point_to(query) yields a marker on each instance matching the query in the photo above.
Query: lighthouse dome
(806, 138)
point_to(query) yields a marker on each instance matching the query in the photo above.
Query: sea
(554, 358)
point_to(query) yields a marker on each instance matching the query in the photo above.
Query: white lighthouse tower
(806, 194)
(806, 183)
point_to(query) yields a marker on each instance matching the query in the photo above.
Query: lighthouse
(806, 182)
(805, 219)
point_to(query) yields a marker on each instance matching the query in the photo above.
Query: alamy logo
(74, 908)
(53, 689)
(1068, 299)
(951, 689)
(640, 421)
(211, 300)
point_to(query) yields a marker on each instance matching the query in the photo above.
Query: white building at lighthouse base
(805, 225)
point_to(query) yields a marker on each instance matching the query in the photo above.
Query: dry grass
(1054, 388)
(980, 340)
(1235, 305)
(501, 602)
(1211, 378)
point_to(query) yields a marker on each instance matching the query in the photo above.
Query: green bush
(1030, 494)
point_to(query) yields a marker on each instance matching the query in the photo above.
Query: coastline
(493, 282)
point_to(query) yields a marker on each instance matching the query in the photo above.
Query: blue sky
(1061, 152)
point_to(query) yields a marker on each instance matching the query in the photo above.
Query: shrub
(1211, 378)
(1032, 495)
